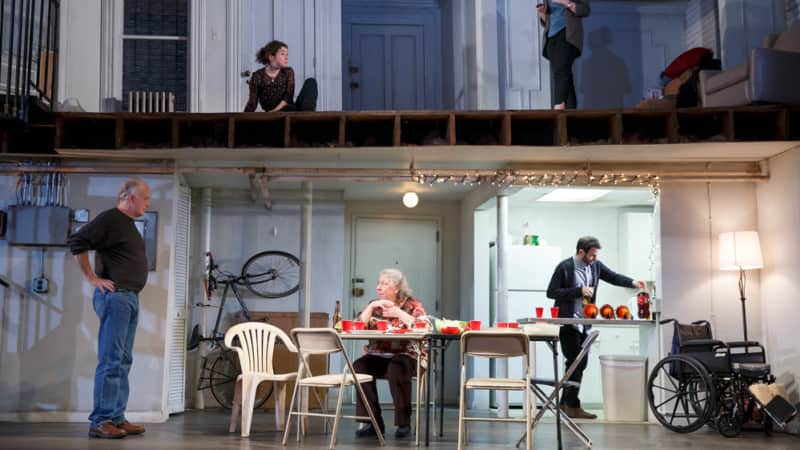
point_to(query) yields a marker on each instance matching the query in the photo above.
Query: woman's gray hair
(399, 281)
(129, 186)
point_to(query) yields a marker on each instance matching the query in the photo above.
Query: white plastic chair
(255, 349)
(506, 343)
(325, 341)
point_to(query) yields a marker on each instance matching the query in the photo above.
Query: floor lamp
(740, 250)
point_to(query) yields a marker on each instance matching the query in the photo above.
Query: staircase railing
(28, 56)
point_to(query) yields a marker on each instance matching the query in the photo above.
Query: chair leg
(279, 390)
(237, 404)
(369, 411)
(289, 417)
(248, 399)
(461, 401)
(528, 413)
(337, 417)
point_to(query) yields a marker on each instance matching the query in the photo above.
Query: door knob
(354, 85)
(245, 73)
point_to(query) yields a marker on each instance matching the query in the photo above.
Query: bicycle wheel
(222, 381)
(272, 274)
(685, 393)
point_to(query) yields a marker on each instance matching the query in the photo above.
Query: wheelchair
(704, 381)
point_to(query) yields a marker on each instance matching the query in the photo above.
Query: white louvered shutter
(176, 357)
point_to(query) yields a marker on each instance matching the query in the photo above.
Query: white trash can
(624, 379)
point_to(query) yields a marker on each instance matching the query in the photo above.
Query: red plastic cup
(382, 325)
(502, 324)
(474, 325)
(513, 325)
(358, 325)
(347, 325)
(554, 312)
(539, 312)
(421, 324)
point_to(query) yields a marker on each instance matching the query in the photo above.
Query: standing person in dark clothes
(273, 85)
(563, 42)
(573, 285)
(120, 272)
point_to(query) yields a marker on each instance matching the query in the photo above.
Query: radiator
(151, 101)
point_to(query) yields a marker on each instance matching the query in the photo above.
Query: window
(155, 48)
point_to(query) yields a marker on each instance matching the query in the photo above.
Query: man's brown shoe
(131, 428)
(107, 430)
(578, 413)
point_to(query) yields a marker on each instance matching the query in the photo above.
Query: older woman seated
(393, 360)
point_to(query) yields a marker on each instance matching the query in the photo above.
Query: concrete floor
(209, 430)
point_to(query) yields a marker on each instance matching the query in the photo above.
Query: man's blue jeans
(119, 313)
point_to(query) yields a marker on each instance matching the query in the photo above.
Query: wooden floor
(208, 430)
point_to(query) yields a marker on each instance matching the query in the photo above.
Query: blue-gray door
(392, 55)
(386, 68)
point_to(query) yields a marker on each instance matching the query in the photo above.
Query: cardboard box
(672, 88)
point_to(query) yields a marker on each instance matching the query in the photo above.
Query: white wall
(48, 350)
(693, 288)
(79, 52)
(240, 228)
(778, 216)
(743, 25)
(224, 36)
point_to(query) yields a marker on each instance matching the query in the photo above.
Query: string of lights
(515, 177)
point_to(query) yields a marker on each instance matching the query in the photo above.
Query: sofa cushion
(727, 78)
(789, 40)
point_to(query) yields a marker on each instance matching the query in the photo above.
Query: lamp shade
(740, 249)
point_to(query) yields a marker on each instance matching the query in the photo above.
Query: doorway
(392, 55)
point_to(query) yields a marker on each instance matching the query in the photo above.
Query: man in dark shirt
(119, 274)
(574, 284)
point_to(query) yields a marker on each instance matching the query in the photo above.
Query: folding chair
(325, 341)
(548, 402)
(255, 350)
(494, 344)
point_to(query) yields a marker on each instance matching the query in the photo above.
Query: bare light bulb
(410, 199)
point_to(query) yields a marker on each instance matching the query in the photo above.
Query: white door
(391, 55)
(412, 246)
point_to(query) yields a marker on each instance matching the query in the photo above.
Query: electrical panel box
(38, 226)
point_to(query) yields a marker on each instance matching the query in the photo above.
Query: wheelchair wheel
(222, 381)
(681, 393)
(272, 274)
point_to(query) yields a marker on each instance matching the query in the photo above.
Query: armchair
(769, 75)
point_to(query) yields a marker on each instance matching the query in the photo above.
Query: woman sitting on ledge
(273, 85)
(394, 361)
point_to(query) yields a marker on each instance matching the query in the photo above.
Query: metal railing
(28, 56)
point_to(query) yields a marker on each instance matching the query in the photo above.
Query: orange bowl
(590, 311)
(623, 312)
(607, 311)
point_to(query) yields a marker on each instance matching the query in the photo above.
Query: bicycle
(268, 274)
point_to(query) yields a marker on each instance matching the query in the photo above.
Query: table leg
(428, 393)
(441, 389)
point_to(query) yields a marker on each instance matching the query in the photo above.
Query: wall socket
(40, 285)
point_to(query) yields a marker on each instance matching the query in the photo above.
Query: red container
(474, 325)
(347, 325)
(539, 312)
(643, 305)
(421, 324)
(554, 312)
(382, 325)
